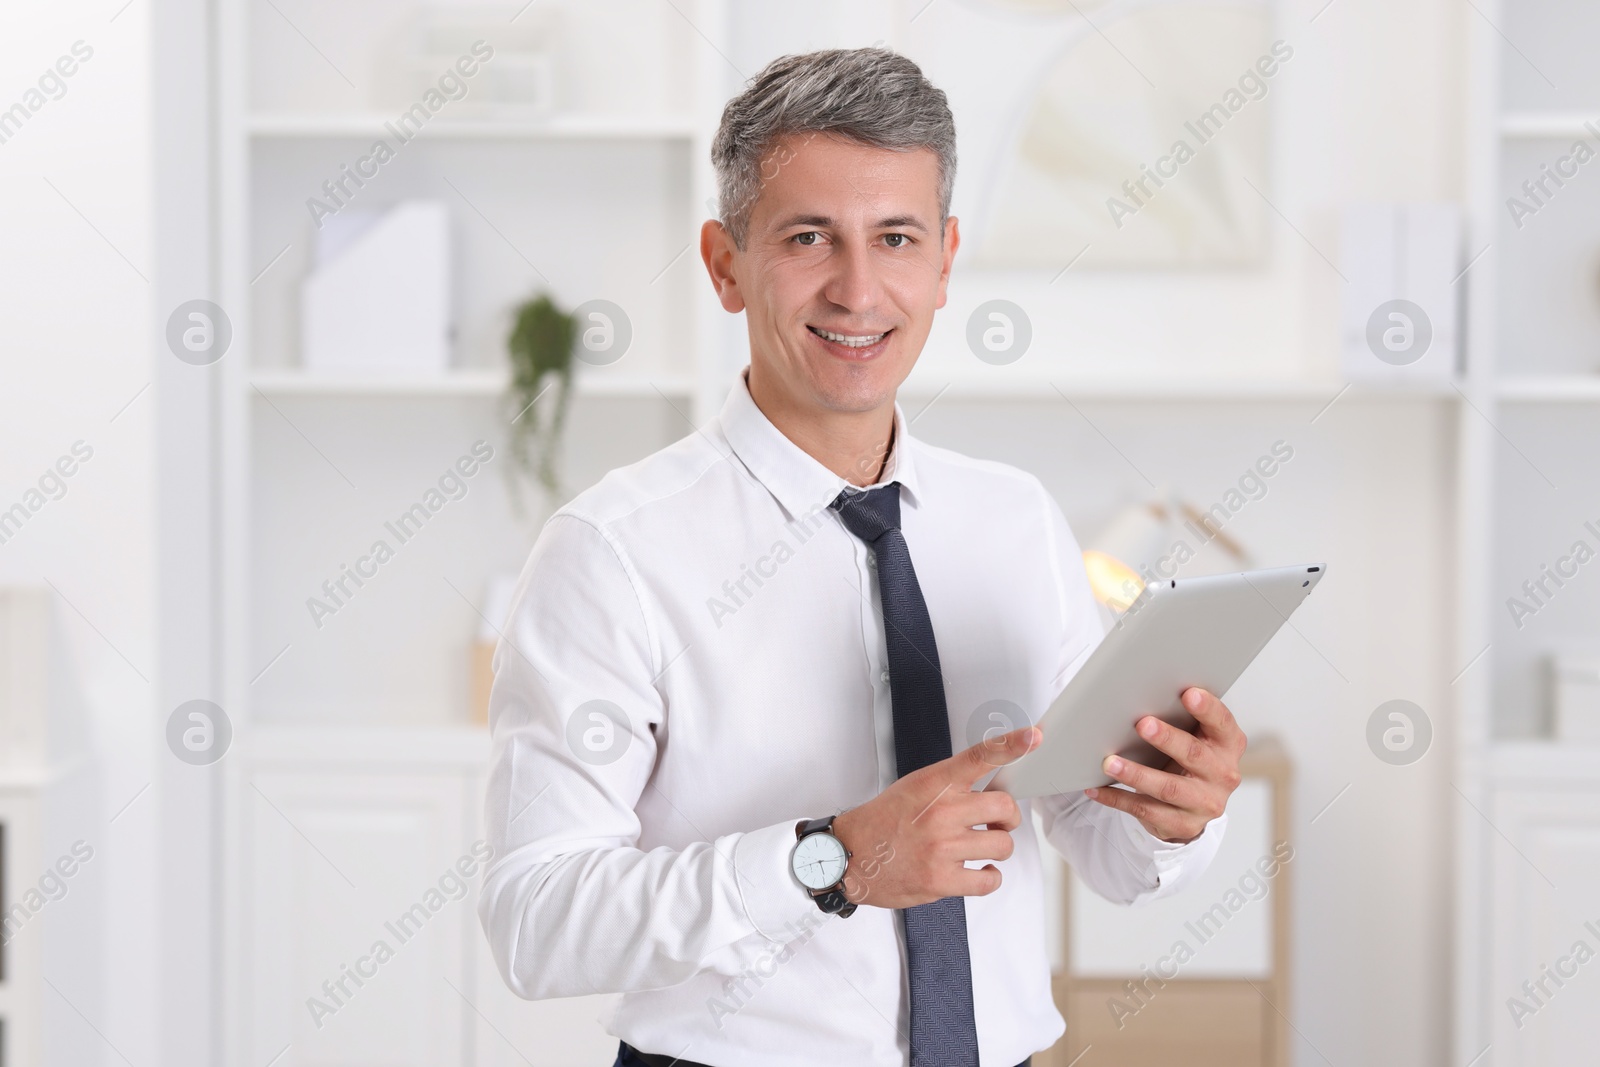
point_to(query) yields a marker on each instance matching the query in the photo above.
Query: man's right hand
(909, 844)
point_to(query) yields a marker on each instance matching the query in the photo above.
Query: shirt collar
(799, 482)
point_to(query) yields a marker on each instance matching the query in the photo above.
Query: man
(716, 649)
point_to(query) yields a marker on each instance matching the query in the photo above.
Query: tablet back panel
(1180, 633)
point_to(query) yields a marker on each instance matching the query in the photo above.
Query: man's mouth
(850, 340)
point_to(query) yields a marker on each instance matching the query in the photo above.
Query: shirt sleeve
(1117, 857)
(1110, 850)
(571, 904)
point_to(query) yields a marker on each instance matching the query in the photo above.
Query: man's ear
(951, 241)
(717, 251)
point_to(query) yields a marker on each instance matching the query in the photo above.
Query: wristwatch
(819, 861)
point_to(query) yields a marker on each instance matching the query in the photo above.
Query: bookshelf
(372, 707)
(1533, 312)
(304, 92)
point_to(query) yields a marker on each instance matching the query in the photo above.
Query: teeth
(847, 340)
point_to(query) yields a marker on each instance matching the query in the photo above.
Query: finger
(995, 808)
(981, 845)
(1190, 752)
(966, 882)
(1212, 714)
(1175, 789)
(1161, 819)
(968, 765)
(956, 809)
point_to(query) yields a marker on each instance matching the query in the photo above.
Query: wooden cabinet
(1199, 978)
(1198, 1023)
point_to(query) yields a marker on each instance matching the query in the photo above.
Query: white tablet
(1178, 633)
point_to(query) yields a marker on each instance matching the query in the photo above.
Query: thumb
(996, 751)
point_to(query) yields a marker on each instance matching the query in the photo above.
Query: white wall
(73, 360)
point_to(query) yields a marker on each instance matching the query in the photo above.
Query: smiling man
(748, 684)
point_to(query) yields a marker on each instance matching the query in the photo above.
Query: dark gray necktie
(944, 1032)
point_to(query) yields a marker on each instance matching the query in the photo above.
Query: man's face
(842, 269)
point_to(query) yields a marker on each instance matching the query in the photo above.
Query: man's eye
(896, 240)
(807, 238)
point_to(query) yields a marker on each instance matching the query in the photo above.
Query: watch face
(819, 860)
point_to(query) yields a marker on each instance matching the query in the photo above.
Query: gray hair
(869, 95)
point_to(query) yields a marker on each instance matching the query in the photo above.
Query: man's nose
(853, 282)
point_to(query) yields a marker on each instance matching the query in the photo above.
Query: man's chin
(868, 389)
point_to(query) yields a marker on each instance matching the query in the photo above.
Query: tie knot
(870, 514)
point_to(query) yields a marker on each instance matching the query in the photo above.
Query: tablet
(1178, 633)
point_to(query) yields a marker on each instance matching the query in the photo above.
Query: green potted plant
(540, 345)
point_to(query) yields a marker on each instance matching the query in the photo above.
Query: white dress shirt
(694, 662)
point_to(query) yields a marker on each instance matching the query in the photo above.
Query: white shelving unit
(559, 127)
(477, 383)
(1551, 390)
(1003, 386)
(1534, 380)
(513, 208)
(50, 926)
(311, 465)
(1536, 125)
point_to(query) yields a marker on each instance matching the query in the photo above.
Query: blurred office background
(1356, 320)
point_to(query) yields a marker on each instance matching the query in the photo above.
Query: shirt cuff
(1172, 865)
(775, 902)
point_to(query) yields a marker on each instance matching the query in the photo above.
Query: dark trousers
(628, 1056)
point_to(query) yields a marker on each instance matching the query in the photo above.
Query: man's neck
(854, 445)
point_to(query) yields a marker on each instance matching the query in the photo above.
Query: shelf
(1546, 762)
(490, 383)
(1028, 387)
(1552, 124)
(556, 127)
(461, 747)
(462, 383)
(29, 779)
(1571, 388)
(473, 383)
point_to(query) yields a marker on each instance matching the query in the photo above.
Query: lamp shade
(1139, 536)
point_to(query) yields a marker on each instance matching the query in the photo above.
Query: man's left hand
(1175, 802)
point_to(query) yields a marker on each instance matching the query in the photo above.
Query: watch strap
(814, 826)
(834, 902)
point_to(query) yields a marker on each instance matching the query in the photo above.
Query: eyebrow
(893, 222)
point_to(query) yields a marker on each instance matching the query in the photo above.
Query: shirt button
(872, 561)
(884, 677)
